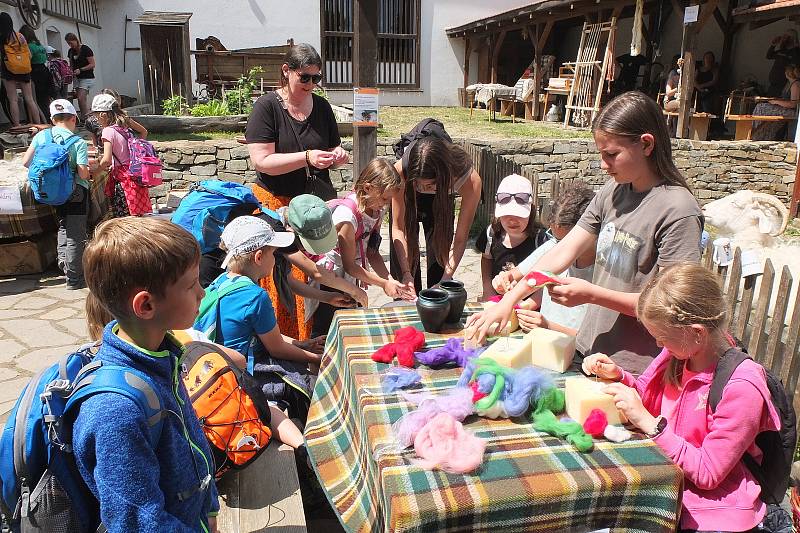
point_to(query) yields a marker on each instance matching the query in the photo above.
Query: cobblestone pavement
(40, 321)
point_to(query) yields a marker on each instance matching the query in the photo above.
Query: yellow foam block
(511, 352)
(552, 350)
(511, 326)
(583, 395)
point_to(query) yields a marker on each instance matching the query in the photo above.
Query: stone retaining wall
(714, 168)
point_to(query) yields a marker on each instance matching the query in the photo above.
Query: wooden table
(744, 123)
(698, 124)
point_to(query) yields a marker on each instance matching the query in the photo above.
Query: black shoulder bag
(314, 184)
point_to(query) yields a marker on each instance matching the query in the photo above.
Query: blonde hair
(683, 295)
(133, 254)
(379, 173)
(97, 317)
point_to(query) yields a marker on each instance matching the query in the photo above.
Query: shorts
(83, 83)
(20, 78)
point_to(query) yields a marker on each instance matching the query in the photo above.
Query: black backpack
(777, 446)
(427, 127)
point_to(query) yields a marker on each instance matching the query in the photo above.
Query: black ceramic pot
(433, 305)
(457, 295)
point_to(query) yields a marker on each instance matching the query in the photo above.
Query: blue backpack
(49, 174)
(41, 487)
(210, 205)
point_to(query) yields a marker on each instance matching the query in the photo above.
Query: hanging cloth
(636, 33)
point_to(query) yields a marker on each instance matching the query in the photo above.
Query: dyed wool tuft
(457, 403)
(400, 378)
(452, 352)
(596, 423)
(406, 341)
(443, 443)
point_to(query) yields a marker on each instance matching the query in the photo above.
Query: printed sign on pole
(365, 107)
(691, 14)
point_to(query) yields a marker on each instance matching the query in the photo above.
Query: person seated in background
(672, 87)
(785, 106)
(706, 83)
(783, 50)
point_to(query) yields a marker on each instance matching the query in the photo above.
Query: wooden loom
(590, 72)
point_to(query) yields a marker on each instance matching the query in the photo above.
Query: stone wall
(714, 168)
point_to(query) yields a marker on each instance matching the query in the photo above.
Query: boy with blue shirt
(244, 316)
(145, 272)
(73, 214)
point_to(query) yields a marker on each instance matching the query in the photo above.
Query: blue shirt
(243, 314)
(78, 152)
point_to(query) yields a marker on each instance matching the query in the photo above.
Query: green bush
(240, 99)
(212, 108)
(175, 106)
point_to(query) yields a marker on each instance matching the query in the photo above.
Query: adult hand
(488, 322)
(506, 280)
(571, 292)
(529, 320)
(360, 296)
(340, 156)
(315, 345)
(408, 282)
(320, 158)
(600, 365)
(76, 71)
(394, 289)
(337, 299)
(628, 401)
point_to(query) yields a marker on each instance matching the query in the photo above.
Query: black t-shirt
(211, 262)
(501, 255)
(630, 69)
(269, 122)
(80, 60)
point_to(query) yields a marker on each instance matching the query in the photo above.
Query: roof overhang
(163, 18)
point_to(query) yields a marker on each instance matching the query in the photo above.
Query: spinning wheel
(31, 12)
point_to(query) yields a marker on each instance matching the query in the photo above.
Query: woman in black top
(293, 140)
(706, 80)
(81, 60)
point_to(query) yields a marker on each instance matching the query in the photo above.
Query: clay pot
(457, 295)
(433, 305)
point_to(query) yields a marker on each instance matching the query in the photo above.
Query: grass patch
(199, 136)
(399, 120)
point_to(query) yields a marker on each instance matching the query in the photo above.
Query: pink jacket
(720, 493)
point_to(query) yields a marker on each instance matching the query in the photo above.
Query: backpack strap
(48, 135)
(213, 297)
(351, 204)
(726, 366)
(72, 139)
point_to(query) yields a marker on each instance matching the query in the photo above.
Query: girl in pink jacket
(683, 308)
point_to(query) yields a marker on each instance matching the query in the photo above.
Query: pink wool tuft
(457, 403)
(444, 443)
(596, 423)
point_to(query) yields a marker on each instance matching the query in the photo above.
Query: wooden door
(165, 59)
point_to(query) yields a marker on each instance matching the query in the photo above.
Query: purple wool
(399, 378)
(452, 352)
(466, 375)
(457, 403)
(527, 388)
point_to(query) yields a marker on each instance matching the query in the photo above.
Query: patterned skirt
(292, 323)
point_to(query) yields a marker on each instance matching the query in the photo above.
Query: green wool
(544, 419)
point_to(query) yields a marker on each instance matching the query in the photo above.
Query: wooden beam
(706, 11)
(537, 72)
(677, 8)
(498, 44)
(687, 81)
(756, 24)
(365, 74)
(467, 54)
(721, 22)
(545, 34)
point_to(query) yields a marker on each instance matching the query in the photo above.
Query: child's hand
(487, 322)
(359, 295)
(393, 288)
(628, 401)
(529, 320)
(505, 281)
(600, 365)
(571, 292)
(340, 300)
(315, 345)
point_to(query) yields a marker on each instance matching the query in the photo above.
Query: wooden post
(467, 53)
(365, 74)
(537, 72)
(498, 44)
(687, 81)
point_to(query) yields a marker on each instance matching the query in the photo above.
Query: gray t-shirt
(637, 233)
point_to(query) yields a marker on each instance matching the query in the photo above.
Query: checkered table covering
(528, 481)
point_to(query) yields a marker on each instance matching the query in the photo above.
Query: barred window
(398, 42)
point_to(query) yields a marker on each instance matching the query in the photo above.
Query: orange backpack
(230, 405)
(17, 56)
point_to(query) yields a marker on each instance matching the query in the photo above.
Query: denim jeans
(72, 217)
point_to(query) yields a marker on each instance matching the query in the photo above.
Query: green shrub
(212, 108)
(175, 106)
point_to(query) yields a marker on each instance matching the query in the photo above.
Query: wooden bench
(265, 496)
(698, 125)
(744, 123)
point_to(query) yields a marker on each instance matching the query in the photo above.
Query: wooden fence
(768, 326)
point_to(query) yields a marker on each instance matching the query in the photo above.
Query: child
(683, 308)
(144, 272)
(245, 316)
(358, 220)
(513, 235)
(568, 209)
(642, 220)
(127, 196)
(130, 123)
(73, 214)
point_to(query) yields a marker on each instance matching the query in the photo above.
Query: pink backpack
(145, 166)
(350, 203)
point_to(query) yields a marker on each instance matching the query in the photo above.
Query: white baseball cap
(247, 234)
(103, 102)
(514, 197)
(62, 107)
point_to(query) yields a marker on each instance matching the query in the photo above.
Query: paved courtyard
(40, 321)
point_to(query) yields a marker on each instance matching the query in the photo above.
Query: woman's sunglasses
(305, 78)
(522, 198)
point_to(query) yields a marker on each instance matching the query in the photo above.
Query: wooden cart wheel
(31, 12)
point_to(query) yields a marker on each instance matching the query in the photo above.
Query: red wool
(476, 394)
(407, 340)
(536, 278)
(596, 423)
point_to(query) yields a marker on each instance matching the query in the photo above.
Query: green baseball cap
(311, 220)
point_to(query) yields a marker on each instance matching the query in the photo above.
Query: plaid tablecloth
(529, 481)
